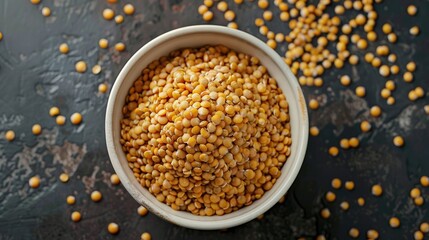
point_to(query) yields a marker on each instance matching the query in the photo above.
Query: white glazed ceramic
(196, 36)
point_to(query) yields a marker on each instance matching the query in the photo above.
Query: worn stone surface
(34, 76)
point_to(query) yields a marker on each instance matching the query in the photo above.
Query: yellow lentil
(71, 200)
(394, 222)
(360, 91)
(229, 15)
(386, 28)
(54, 111)
(208, 16)
(385, 93)
(120, 47)
(108, 14)
(377, 190)
(349, 185)
(354, 232)
(412, 10)
(102, 88)
(96, 196)
(64, 48)
(415, 192)
(34, 182)
(375, 111)
(354, 142)
(64, 177)
(336, 183)
(9, 135)
(391, 37)
(411, 66)
(325, 213)
(345, 206)
(208, 3)
(35, 2)
(372, 234)
(129, 9)
(390, 85)
(142, 211)
(418, 235)
(222, 6)
(76, 118)
(424, 181)
(365, 126)
(113, 228)
(415, 30)
(398, 141)
(119, 19)
(96, 69)
(361, 201)
(76, 216)
(267, 15)
(145, 236)
(314, 131)
(60, 120)
(114, 179)
(424, 227)
(103, 43)
(80, 66)
(344, 143)
(333, 151)
(263, 4)
(419, 201)
(313, 104)
(330, 196)
(46, 12)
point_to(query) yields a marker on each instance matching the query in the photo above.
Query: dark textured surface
(34, 76)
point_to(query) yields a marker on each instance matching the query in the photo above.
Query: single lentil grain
(76, 118)
(114, 179)
(9, 135)
(394, 222)
(365, 126)
(71, 200)
(377, 190)
(361, 201)
(349, 185)
(145, 236)
(102, 88)
(46, 12)
(64, 177)
(64, 48)
(398, 141)
(142, 211)
(354, 232)
(108, 14)
(103, 43)
(129, 9)
(76, 216)
(120, 47)
(113, 228)
(80, 66)
(424, 181)
(96, 196)
(34, 182)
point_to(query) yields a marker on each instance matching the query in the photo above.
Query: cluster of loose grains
(206, 130)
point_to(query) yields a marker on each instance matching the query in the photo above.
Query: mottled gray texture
(34, 76)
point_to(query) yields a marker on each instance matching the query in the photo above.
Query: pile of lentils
(206, 130)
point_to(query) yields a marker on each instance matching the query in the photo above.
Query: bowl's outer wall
(196, 36)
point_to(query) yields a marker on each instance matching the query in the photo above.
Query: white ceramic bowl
(196, 36)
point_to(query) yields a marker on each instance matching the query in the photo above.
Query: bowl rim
(302, 129)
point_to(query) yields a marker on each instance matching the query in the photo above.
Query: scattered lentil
(360, 91)
(414, 30)
(96, 69)
(375, 111)
(76, 216)
(120, 47)
(46, 12)
(313, 104)
(9, 135)
(146, 236)
(114, 179)
(394, 222)
(424, 181)
(64, 48)
(361, 201)
(96, 196)
(222, 6)
(419, 201)
(345, 206)
(349, 185)
(365, 126)
(354, 232)
(424, 227)
(418, 235)
(314, 131)
(113, 228)
(119, 19)
(415, 193)
(208, 16)
(64, 177)
(80, 66)
(36, 129)
(34, 182)
(336, 183)
(398, 141)
(54, 111)
(333, 151)
(129, 9)
(412, 10)
(71, 200)
(325, 213)
(108, 14)
(372, 234)
(377, 190)
(142, 211)
(76, 118)
(103, 43)
(330, 196)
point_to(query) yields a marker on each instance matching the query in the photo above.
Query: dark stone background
(34, 76)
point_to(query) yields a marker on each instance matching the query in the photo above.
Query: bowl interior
(196, 36)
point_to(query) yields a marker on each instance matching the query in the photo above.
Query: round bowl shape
(197, 36)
